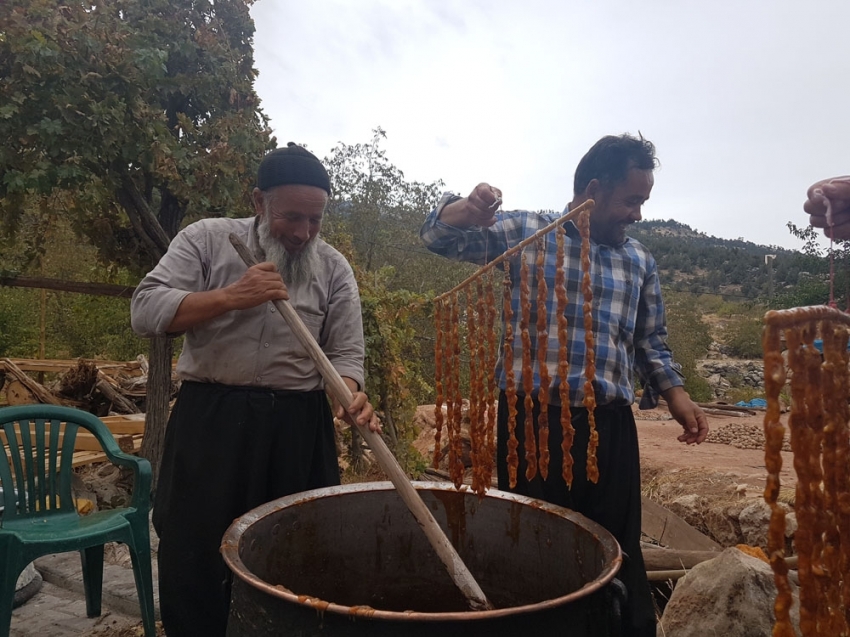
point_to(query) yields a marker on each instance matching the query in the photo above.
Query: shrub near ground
(18, 330)
(689, 339)
(742, 335)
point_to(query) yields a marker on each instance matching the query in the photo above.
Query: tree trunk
(158, 397)
(386, 410)
(355, 451)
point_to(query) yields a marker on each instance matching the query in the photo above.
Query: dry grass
(663, 486)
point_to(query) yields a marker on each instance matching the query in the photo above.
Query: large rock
(755, 521)
(722, 523)
(731, 595)
(690, 508)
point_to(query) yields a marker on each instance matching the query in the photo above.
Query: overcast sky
(747, 101)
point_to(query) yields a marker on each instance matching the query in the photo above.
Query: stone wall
(726, 374)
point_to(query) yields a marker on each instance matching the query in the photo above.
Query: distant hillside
(698, 263)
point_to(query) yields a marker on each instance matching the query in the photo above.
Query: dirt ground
(707, 469)
(709, 463)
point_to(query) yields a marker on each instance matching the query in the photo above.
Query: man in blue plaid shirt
(630, 334)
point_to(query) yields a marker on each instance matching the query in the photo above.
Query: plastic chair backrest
(35, 471)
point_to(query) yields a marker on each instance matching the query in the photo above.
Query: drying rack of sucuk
(818, 423)
(475, 295)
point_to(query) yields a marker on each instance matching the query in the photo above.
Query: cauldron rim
(230, 553)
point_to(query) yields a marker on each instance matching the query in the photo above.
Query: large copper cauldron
(351, 560)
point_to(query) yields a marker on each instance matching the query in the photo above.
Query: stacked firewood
(100, 387)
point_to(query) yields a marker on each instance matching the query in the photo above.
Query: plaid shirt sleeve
(475, 244)
(653, 358)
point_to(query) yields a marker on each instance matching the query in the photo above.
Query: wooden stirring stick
(339, 390)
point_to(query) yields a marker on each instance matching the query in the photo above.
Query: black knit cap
(292, 165)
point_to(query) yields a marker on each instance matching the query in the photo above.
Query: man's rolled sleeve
(441, 238)
(178, 274)
(665, 378)
(153, 309)
(653, 358)
(474, 244)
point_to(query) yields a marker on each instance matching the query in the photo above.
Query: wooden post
(42, 329)
(156, 404)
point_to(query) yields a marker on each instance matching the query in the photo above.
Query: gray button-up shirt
(252, 347)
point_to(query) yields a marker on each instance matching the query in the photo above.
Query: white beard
(295, 268)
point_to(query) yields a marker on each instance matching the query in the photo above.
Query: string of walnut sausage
(543, 362)
(510, 379)
(835, 422)
(567, 430)
(456, 448)
(474, 387)
(527, 370)
(492, 346)
(774, 434)
(438, 384)
(589, 397)
(480, 445)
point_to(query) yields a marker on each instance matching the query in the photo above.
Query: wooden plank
(61, 365)
(668, 529)
(129, 424)
(83, 458)
(656, 558)
(86, 457)
(119, 418)
(84, 441)
(733, 408)
(118, 425)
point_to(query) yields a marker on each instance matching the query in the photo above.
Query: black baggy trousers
(227, 451)
(613, 502)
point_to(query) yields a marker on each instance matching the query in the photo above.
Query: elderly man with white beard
(251, 422)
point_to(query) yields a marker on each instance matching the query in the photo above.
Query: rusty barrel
(351, 560)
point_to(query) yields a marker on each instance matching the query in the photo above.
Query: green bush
(728, 309)
(745, 394)
(18, 322)
(93, 326)
(743, 337)
(76, 326)
(709, 303)
(689, 339)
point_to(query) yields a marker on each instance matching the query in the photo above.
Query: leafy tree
(143, 113)
(382, 212)
(374, 217)
(814, 270)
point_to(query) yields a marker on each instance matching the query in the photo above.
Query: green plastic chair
(40, 516)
